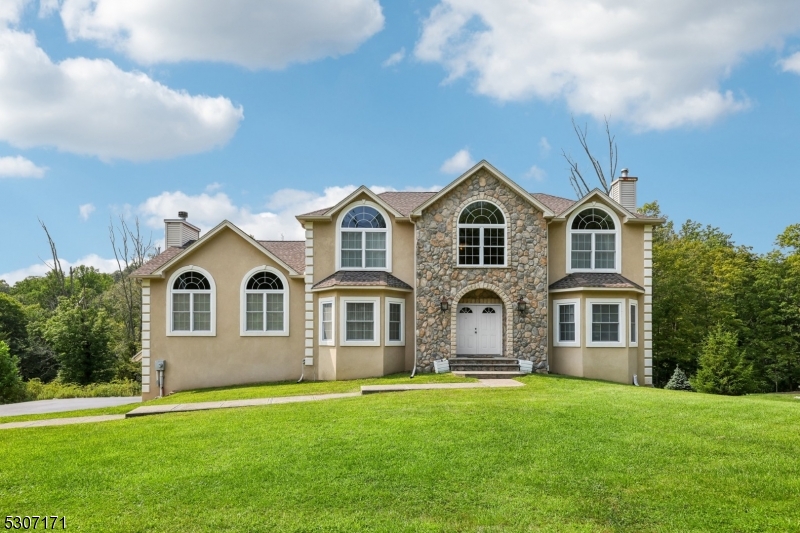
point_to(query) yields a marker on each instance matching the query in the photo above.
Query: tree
(576, 177)
(679, 381)
(723, 368)
(80, 335)
(12, 324)
(12, 389)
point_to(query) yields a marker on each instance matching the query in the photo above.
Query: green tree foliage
(12, 389)
(80, 336)
(723, 367)
(13, 324)
(679, 381)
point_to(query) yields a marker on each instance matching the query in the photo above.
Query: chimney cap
(183, 214)
(624, 173)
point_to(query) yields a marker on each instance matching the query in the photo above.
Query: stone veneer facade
(438, 273)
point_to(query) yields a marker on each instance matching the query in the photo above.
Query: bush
(723, 368)
(12, 388)
(36, 390)
(679, 381)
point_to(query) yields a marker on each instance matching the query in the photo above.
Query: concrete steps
(485, 367)
(489, 374)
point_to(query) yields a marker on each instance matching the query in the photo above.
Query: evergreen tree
(679, 381)
(723, 368)
(12, 389)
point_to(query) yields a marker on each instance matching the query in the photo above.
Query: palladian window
(191, 304)
(364, 243)
(481, 235)
(593, 241)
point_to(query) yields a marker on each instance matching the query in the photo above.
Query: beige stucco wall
(227, 358)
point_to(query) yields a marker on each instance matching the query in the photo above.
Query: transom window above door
(364, 239)
(481, 235)
(593, 242)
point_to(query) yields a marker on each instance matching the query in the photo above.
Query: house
(391, 282)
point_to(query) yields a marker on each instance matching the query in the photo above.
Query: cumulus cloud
(251, 33)
(655, 65)
(40, 269)
(395, 58)
(544, 146)
(536, 173)
(791, 63)
(19, 167)
(91, 107)
(86, 210)
(460, 162)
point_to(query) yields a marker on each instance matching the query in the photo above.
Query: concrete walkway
(61, 421)
(205, 406)
(66, 404)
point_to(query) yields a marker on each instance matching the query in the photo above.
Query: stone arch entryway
(484, 307)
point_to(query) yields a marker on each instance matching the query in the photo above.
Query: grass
(117, 410)
(557, 455)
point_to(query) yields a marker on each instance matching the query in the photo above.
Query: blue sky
(257, 111)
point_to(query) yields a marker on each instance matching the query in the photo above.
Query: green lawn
(557, 455)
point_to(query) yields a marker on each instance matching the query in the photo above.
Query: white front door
(479, 330)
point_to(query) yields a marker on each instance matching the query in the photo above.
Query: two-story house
(392, 282)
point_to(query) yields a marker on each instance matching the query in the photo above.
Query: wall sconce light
(444, 304)
(521, 304)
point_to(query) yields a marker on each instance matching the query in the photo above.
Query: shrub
(723, 368)
(679, 381)
(12, 388)
(36, 390)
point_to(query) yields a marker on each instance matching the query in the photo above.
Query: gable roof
(326, 214)
(567, 206)
(485, 165)
(406, 202)
(293, 253)
(284, 255)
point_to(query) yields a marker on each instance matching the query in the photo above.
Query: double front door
(479, 329)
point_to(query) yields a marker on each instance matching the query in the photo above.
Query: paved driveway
(68, 404)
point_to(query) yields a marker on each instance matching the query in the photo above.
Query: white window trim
(556, 323)
(633, 307)
(332, 340)
(171, 282)
(377, 329)
(623, 316)
(617, 240)
(402, 341)
(340, 229)
(243, 305)
(503, 226)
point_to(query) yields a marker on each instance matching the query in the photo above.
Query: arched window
(364, 239)
(482, 235)
(594, 241)
(265, 303)
(191, 303)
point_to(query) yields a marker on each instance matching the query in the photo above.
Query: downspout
(414, 370)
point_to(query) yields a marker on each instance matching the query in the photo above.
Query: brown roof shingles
(606, 280)
(157, 262)
(293, 253)
(361, 278)
(405, 202)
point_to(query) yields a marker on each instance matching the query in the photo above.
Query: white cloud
(252, 33)
(40, 269)
(211, 187)
(86, 210)
(19, 167)
(544, 146)
(655, 65)
(791, 63)
(536, 173)
(395, 58)
(91, 107)
(460, 162)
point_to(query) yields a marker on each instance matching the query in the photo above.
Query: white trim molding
(617, 239)
(376, 317)
(633, 323)
(388, 231)
(209, 333)
(145, 342)
(647, 322)
(308, 279)
(402, 303)
(576, 303)
(505, 226)
(621, 317)
(284, 332)
(322, 303)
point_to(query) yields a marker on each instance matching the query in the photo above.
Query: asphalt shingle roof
(293, 253)
(156, 262)
(361, 278)
(594, 280)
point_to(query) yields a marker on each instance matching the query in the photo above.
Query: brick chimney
(178, 232)
(623, 190)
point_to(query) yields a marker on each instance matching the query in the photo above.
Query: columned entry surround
(479, 330)
(505, 311)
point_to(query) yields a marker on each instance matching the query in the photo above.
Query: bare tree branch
(576, 178)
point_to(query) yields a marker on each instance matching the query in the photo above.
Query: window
(364, 239)
(633, 310)
(191, 303)
(360, 322)
(326, 322)
(606, 322)
(567, 323)
(593, 242)
(395, 321)
(265, 303)
(481, 235)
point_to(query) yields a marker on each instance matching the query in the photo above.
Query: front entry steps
(485, 367)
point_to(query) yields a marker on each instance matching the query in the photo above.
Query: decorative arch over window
(191, 303)
(363, 238)
(265, 303)
(593, 243)
(481, 235)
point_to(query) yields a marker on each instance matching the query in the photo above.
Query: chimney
(623, 190)
(178, 232)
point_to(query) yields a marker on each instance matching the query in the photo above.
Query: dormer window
(481, 235)
(594, 241)
(364, 239)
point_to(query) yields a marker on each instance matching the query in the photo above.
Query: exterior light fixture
(521, 304)
(444, 304)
